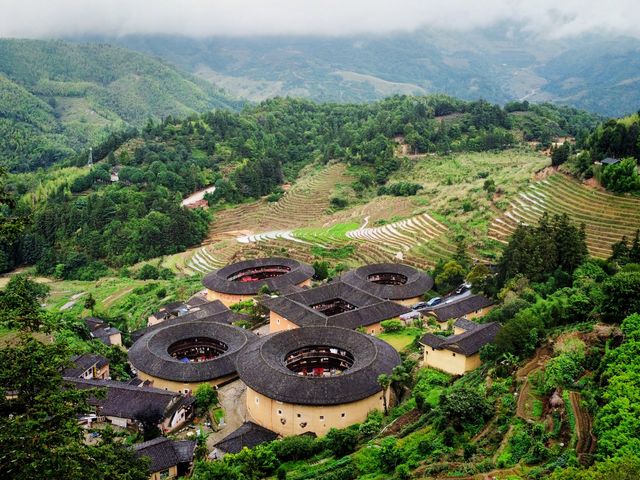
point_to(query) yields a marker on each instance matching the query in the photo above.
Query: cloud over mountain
(548, 18)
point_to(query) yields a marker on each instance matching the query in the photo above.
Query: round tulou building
(312, 379)
(391, 281)
(180, 355)
(243, 280)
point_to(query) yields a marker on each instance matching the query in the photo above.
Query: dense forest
(87, 224)
(57, 97)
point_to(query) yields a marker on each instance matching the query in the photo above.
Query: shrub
(390, 326)
(296, 448)
(148, 272)
(401, 189)
(342, 442)
(338, 203)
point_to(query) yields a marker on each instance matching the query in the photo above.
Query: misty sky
(547, 18)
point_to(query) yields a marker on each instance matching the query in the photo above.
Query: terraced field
(236, 232)
(606, 217)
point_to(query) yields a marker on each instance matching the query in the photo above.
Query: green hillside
(595, 72)
(90, 224)
(58, 97)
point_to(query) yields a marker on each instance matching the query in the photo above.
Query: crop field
(606, 217)
(418, 231)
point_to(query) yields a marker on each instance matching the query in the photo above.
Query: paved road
(447, 300)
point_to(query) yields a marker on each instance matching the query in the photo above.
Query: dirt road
(233, 401)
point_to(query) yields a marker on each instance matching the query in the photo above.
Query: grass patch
(336, 232)
(337, 253)
(401, 339)
(537, 408)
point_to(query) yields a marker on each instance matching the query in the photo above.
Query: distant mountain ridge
(500, 64)
(57, 97)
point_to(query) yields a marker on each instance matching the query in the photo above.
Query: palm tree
(384, 381)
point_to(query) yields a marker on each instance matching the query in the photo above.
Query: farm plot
(607, 217)
(303, 204)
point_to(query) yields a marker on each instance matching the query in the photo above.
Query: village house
(470, 307)
(249, 435)
(88, 366)
(102, 331)
(459, 353)
(123, 403)
(334, 304)
(167, 458)
(196, 304)
(215, 311)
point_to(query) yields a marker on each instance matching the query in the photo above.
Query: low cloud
(201, 18)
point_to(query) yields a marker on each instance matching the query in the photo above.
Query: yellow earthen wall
(290, 419)
(450, 362)
(181, 387)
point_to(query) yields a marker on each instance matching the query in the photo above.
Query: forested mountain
(58, 97)
(85, 223)
(594, 72)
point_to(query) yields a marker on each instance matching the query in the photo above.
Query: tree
(384, 381)
(520, 335)
(622, 177)
(39, 431)
(560, 154)
(342, 442)
(20, 303)
(401, 377)
(149, 419)
(11, 226)
(90, 303)
(148, 272)
(463, 405)
(481, 279)
(538, 251)
(321, 269)
(621, 296)
(389, 454)
(451, 276)
(206, 396)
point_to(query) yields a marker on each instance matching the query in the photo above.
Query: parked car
(434, 301)
(462, 288)
(419, 305)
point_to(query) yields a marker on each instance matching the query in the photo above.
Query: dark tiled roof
(149, 354)
(467, 343)
(460, 308)
(164, 453)
(126, 401)
(465, 324)
(82, 363)
(93, 323)
(218, 280)
(417, 282)
(296, 307)
(263, 369)
(214, 311)
(432, 340)
(100, 330)
(248, 435)
(197, 300)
